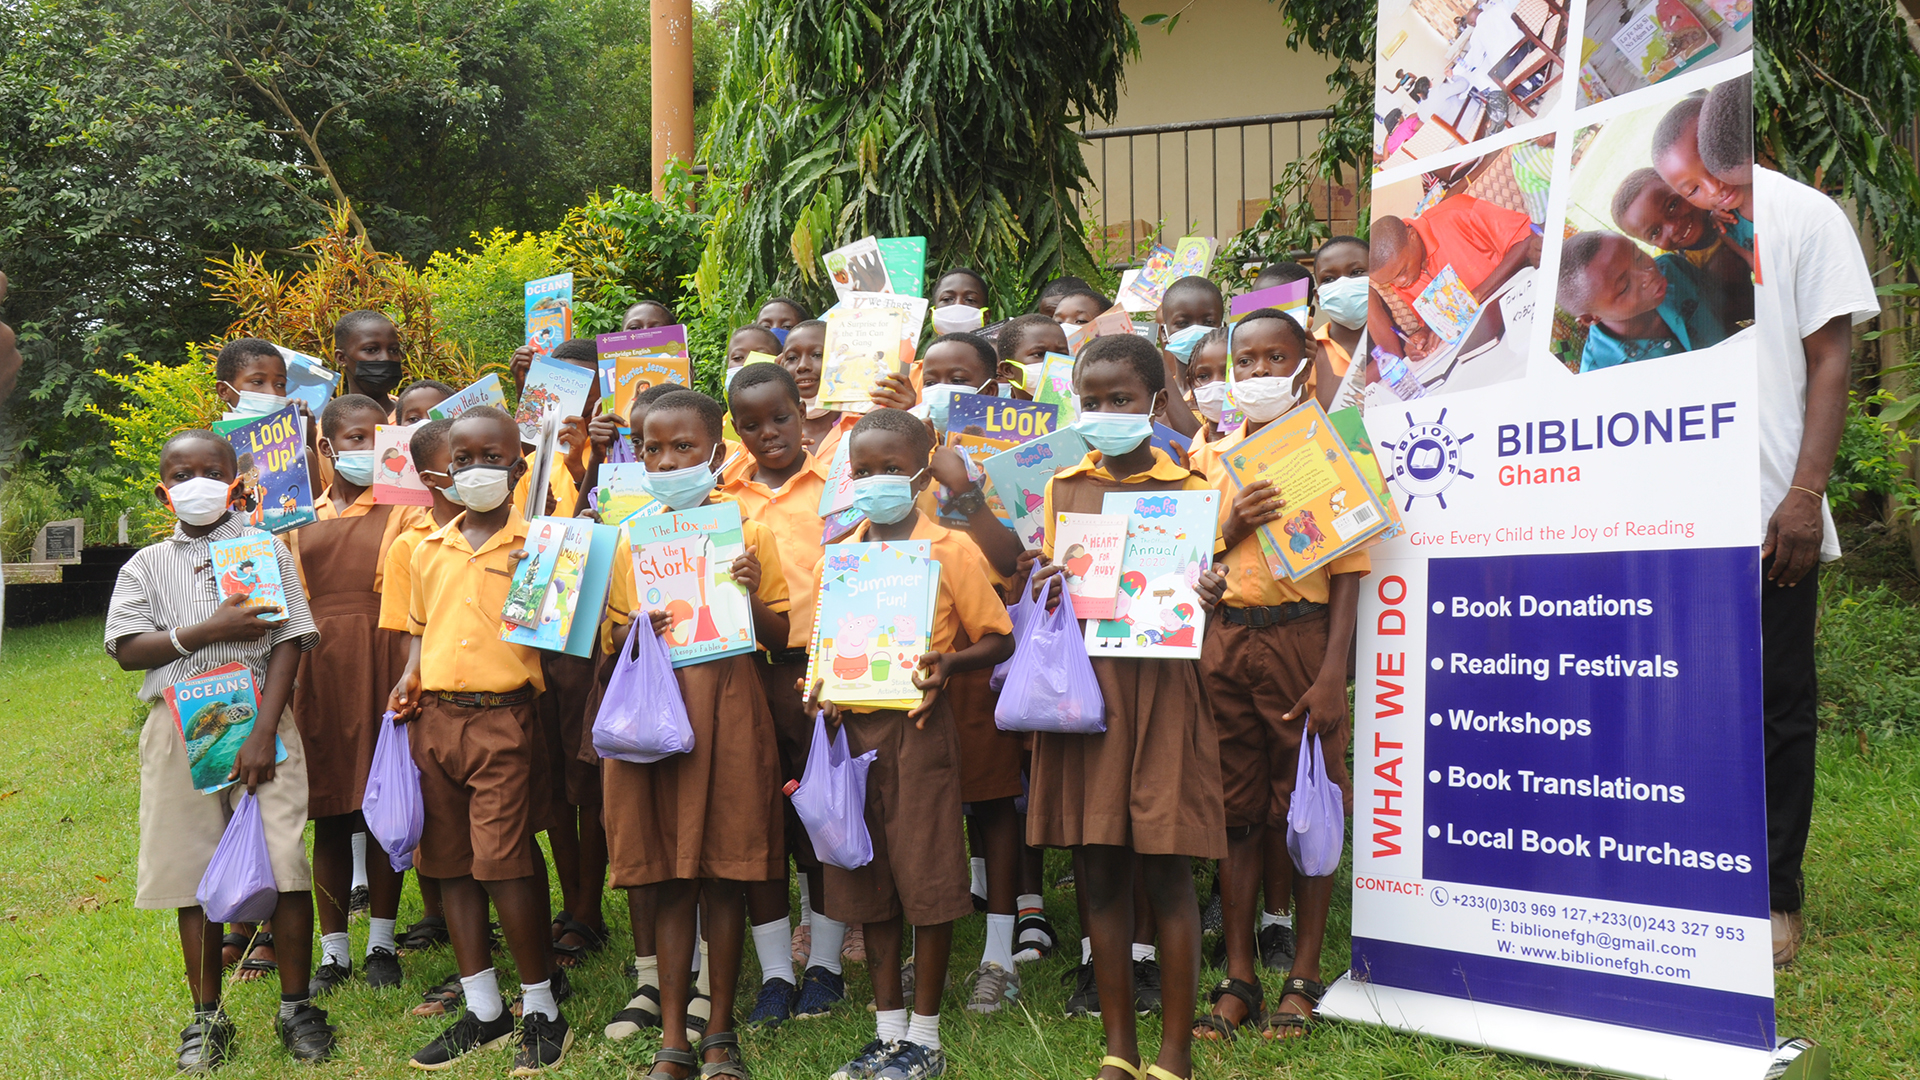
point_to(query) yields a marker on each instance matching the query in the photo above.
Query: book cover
(862, 347)
(1053, 385)
(873, 620)
(1735, 13)
(1447, 306)
(486, 391)
(1002, 419)
(1089, 547)
(308, 379)
(1663, 39)
(272, 456)
(1114, 320)
(540, 468)
(1192, 257)
(1330, 508)
(905, 258)
(554, 388)
(1149, 286)
(858, 267)
(216, 711)
(682, 564)
(912, 311)
(1156, 610)
(640, 359)
(554, 614)
(603, 541)
(394, 478)
(1020, 478)
(1170, 442)
(549, 312)
(837, 495)
(527, 590)
(1352, 431)
(1290, 298)
(247, 565)
(621, 493)
(976, 449)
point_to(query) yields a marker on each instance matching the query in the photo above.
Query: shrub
(479, 294)
(157, 401)
(629, 246)
(1871, 462)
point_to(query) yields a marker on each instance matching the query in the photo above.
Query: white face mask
(1209, 397)
(199, 501)
(482, 487)
(958, 319)
(252, 404)
(1264, 398)
(1344, 300)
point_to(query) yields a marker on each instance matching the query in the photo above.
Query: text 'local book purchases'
(873, 620)
(683, 565)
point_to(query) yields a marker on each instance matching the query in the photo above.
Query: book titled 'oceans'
(246, 565)
(683, 565)
(549, 312)
(216, 711)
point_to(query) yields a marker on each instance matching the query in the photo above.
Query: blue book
(247, 565)
(1001, 418)
(308, 379)
(1166, 440)
(554, 388)
(568, 613)
(278, 492)
(549, 307)
(1020, 478)
(872, 621)
(594, 580)
(683, 565)
(482, 392)
(216, 711)
(1157, 611)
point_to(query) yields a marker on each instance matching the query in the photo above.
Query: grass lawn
(91, 987)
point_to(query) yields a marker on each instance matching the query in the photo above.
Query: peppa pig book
(873, 620)
(1156, 612)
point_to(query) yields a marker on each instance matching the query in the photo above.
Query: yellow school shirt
(622, 597)
(1249, 582)
(560, 483)
(792, 513)
(454, 609)
(396, 590)
(398, 522)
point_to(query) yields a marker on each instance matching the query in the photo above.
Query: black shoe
(1277, 947)
(469, 1033)
(329, 978)
(359, 901)
(543, 1043)
(306, 1034)
(1146, 986)
(1033, 937)
(205, 1043)
(1085, 999)
(382, 969)
(431, 930)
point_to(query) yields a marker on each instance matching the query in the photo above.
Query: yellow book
(862, 347)
(1331, 509)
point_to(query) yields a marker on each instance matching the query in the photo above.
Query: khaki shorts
(179, 827)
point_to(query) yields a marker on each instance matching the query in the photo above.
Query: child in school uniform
(366, 349)
(1023, 345)
(166, 618)
(696, 829)
(412, 403)
(470, 698)
(1340, 288)
(918, 875)
(1150, 785)
(1275, 665)
(1190, 310)
(342, 685)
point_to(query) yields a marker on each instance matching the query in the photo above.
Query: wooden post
(672, 62)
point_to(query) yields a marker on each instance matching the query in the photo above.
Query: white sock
(891, 1025)
(1142, 952)
(336, 949)
(773, 941)
(1027, 901)
(538, 998)
(702, 971)
(1268, 918)
(999, 948)
(828, 936)
(380, 935)
(483, 995)
(806, 903)
(1086, 950)
(359, 860)
(978, 868)
(647, 968)
(924, 1030)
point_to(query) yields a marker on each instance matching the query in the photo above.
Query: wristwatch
(968, 503)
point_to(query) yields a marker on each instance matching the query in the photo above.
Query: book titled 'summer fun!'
(683, 565)
(1020, 478)
(1089, 548)
(395, 480)
(246, 565)
(486, 391)
(872, 622)
(216, 710)
(1001, 418)
(273, 469)
(862, 347)
(549, 312)
(554, 388)
(557, 605)
(1330, 509)
(1156, 612)
(527, 590)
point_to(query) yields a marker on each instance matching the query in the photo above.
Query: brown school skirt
(1151, 782)
(339, 695)
(713, 812)
(477, 781)
(571, 685)
(1253, 675)
(793, 732)
(989, 758)
(919, 867)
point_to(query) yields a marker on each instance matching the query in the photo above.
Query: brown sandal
(1287, 1025)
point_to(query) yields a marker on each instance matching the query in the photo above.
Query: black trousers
(1792, 698)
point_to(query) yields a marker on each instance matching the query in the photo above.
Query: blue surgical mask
(1344, 300)
(1182, 341)
(1114, 433)
(356, 466)
(780, 332)
(883, 499)
(251, 404)
(682, 489)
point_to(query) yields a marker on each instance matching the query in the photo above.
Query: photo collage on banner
(1559, 816)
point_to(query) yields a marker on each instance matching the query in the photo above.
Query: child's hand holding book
(1257, 504)
(234, 621)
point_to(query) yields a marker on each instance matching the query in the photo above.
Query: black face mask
(382, 375)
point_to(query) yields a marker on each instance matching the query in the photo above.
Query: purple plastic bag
(1050, 686)
(396, 815)
(831, 799)
(238, 885)
(642, 717)
(1021, 611)
(1317, 819)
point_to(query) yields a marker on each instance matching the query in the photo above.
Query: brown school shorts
(477, 780)
(1253, 675)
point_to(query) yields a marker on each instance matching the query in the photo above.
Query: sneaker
(864, 1067)
(543, 1043)
(993, 987)
(359, 901)
(854, 949)
(467, 1034)
(329, 978)
(1212, 919)
(205, 1043)
(1277, 947)
(1146, 986)
(774, 1005)
(1033, 937)
(1085, 999)
(911, 1061)
(819, 990)
(382, 968)
(306, 1034)
(802, 945)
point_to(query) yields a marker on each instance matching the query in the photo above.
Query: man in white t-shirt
(1814, 288)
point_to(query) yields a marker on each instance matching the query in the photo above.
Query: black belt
(786, 656)
(486, 699)
(1270, 616)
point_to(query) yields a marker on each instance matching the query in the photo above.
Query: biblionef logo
(1426, 459)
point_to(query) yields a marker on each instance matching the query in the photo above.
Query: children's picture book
(838, 493)
(1735, 13)
(1053, 385)
(394, 478)
(1330, 509)
(1663, 39)
(862, 347)
(905, 258)
(486, 391)
(1114, 320)
(553, 618)
(216, 711)
(1149, 286)
(1290, 298)
(1192, 257)
(621, 493)
(527, 590)
(683, 565)
(913, 315)
(873, 621)
(1005, 419)
(838, 524)
(635, 360)
(1020, 478)
(1170, 442)
(1156, 610)
(1352, 431)
(549, 312)
(554, 388)
(272, 456)
(858, 267)
(246, 565)
(1447, 306)
(308, 379)
(1089, 547)
(603, 541)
